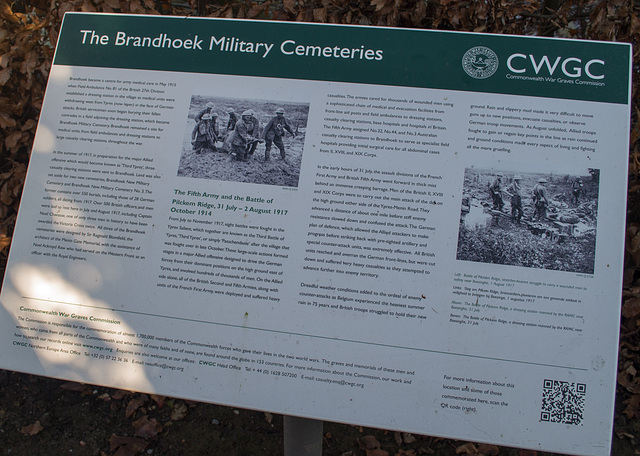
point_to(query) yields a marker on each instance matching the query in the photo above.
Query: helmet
(500, 175)
(230, 110)
(280, 111)
(542, 180)
(214, 114)
(249, 112)
(517, 177)
(206, 117)
(209, 105)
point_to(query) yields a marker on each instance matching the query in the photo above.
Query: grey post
(302, 436)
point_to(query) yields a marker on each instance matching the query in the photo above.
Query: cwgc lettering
(299, 218)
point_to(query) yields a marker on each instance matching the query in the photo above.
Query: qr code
(563, 402)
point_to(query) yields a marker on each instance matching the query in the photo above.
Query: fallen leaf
(5, 241)
(76, 387)
(6, 121)
(12, 141)
(115, 4)
(408, 438)
(147, 428)
(133, 405)
(256, 9)
(289, 5)
(368, 442)
(527, 453)
(5, 75)
(379, 4)
(29, 124)
(179, 411)
(159, 400)
(32, 429)
(377, 452)
(488, 450)
(631, 307)
(119, 394)
(467, 448)
(320, 14)
(126, 446)
(633, 407)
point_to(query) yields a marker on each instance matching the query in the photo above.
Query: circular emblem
(480, 62)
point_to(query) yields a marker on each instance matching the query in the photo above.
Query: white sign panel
(405, 229)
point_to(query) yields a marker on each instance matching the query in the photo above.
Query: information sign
(406, 229)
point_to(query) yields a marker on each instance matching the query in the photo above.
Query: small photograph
(240, 140)
(532, 220)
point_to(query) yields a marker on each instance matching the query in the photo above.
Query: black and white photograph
(534, 220)
(242, 140)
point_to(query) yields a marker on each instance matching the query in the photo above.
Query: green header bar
(542, 67)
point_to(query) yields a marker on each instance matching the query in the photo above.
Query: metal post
(302, 436)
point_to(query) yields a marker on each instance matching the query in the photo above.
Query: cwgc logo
(480, 62)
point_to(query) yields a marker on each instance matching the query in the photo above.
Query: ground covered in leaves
(41, 416)
(52, 417)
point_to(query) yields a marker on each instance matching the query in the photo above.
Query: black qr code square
(563, 402)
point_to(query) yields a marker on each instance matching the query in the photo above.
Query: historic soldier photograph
(530, 219)
(273, 133)
(514, 191)
(231, 139)
(495, 189)
(205, 134)
(540, 201)
(576, 190)
(243, 137)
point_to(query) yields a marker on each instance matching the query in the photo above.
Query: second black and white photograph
(543, 220)
(243, 140)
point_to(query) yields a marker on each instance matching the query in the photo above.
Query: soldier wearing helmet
(540, 201)
(205, 133)
(254, 130)
(495, 190)
(273, 133)
(233, 119)
(208, 109)
(243, 137)
(514, 190)
(576, 190)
